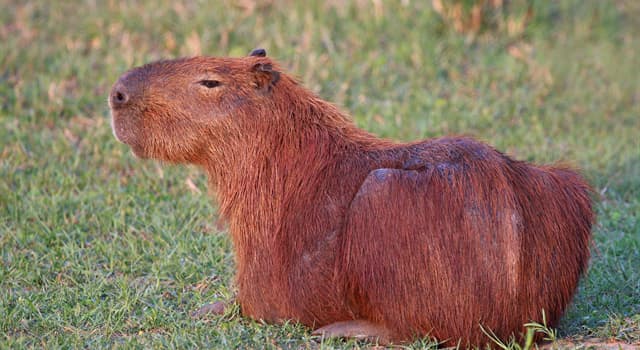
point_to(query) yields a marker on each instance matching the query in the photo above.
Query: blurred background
(98, 248)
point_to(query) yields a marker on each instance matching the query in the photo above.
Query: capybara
(353, 235)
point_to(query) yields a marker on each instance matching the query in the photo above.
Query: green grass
(98, 249)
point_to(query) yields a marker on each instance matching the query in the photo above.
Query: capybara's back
(464, 237)
(354, 235)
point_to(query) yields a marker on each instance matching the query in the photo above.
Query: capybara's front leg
(358, 329)
(215, 308)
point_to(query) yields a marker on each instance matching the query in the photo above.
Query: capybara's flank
(351, 234)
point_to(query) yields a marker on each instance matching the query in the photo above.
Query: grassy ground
(98, 249)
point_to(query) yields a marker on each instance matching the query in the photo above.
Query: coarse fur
(331, 224)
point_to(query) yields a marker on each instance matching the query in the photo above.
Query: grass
(100, 250)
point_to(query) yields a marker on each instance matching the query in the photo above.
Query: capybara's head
(171, 110)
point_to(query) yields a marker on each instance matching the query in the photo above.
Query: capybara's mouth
(124, 134)
(124, 96)
(117, 128)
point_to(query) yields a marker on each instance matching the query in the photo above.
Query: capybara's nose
(119, 96)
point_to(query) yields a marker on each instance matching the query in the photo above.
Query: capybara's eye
(210, 83)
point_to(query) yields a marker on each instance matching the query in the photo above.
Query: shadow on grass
(607, 304)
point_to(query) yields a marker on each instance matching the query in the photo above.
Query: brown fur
(330, 223)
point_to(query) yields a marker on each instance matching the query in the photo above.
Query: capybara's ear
(258, 53)
(265, 76)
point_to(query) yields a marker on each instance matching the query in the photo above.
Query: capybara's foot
(357, 329)
(217, 308)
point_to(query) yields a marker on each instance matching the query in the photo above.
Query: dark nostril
(119, 97)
